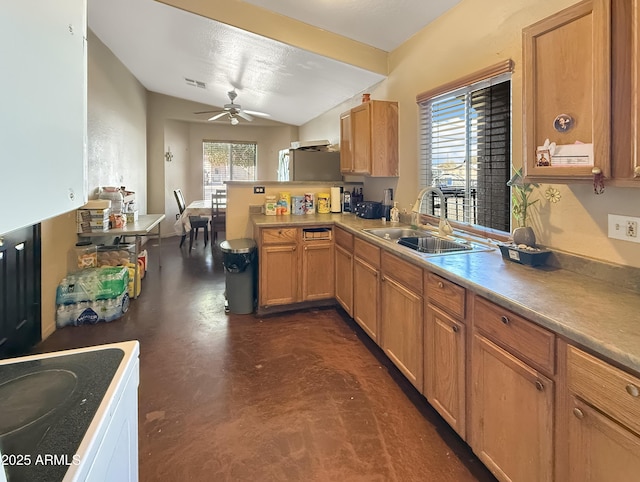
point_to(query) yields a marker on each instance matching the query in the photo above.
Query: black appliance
(368, 209)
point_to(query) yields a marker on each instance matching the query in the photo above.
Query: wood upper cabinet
(401, 317)
(567, 70)
(512, 401)
(599, 421)
(625, 98)
(445, 350)
(344, 269)
(346, 150)
(369, 135)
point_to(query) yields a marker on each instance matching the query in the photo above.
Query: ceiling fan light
(234, 121)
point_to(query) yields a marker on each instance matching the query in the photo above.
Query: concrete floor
(304, 396)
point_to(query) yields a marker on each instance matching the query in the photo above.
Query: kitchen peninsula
(515, 343)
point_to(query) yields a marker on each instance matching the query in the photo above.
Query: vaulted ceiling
(293, 60)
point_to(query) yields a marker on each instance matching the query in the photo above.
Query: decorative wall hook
(168, 156)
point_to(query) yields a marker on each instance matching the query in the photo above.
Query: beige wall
(171, 125)
(473, 35)
(116, 156)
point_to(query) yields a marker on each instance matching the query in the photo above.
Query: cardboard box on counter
(132, 217)
(92, 227)
(92, 215)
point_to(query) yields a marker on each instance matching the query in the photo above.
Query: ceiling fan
(233, 110)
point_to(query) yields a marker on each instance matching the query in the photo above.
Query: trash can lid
(243, 245)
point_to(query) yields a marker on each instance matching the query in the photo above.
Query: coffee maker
(387, 203)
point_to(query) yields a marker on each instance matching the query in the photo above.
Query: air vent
(195, 83)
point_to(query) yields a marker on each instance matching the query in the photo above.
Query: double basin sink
(426, 242)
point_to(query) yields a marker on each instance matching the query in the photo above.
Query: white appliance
(80, 417)
(309, 165)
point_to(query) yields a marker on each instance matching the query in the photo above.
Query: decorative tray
(529, 256)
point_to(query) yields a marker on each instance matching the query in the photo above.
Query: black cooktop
(46, 407)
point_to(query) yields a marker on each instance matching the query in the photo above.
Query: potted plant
(521, 201)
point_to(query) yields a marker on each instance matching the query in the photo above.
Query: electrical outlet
(258, 189)
(624, 227)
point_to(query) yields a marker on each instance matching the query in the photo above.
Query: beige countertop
(587, 311)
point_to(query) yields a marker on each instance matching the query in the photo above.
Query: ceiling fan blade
(259, 114)
(217, 116)
(244, 115)
(207, 111)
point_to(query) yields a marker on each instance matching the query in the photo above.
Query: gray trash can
(239, 260)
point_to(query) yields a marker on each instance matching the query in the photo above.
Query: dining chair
(196, 222)
(218, 213)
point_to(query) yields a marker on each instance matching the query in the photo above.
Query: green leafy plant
(521, 197)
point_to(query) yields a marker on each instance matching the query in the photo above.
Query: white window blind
(227, 161)
(465, 149)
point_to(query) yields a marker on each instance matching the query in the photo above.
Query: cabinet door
(444, 367)
(44, 110)
(600, 450)
(361, 139)
(567, 70)
(317, 271)
(511, 415)
(402, 329)
(366, 297)
(278, 275)
(344, 279)
(346, 154)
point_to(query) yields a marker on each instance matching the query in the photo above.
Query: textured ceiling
(162, 45)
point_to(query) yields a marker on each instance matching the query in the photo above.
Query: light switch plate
(624, 228)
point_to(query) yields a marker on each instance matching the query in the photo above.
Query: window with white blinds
(227, 161)
(465, 151)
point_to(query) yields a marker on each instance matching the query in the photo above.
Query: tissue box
(132, 217)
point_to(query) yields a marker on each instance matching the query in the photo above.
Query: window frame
(208, 187)
(478, 80)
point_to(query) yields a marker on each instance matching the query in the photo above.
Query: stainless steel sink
(396, 233)
(427, 243)
(433, 245)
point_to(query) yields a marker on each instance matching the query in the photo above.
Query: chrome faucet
(444, 228)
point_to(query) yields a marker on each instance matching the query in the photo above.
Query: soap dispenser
(394, 214)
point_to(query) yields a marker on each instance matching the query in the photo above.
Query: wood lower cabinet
(295, 265)
(512, 394)
(599, 421)
(401, 322)
(511, 415)
(317, 270)
(278, 275)
(445, 352)
(344, 269)
(344, 278)
(366, 297)
(444, 367)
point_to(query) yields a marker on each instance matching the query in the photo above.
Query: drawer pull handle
(440, 284)
(306, 248)
(539, 386)
(504, 319)
(578, 413)
(633, 390)
(455, 328)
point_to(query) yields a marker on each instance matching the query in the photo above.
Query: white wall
(117, 146)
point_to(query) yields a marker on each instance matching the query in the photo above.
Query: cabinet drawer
(367, 252)
(344, 239)
(609, 389)
(279, 235)
(407, 274)
(515, 334)
(445, 294)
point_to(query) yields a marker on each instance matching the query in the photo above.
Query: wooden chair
(218, 213)
(196, 222)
